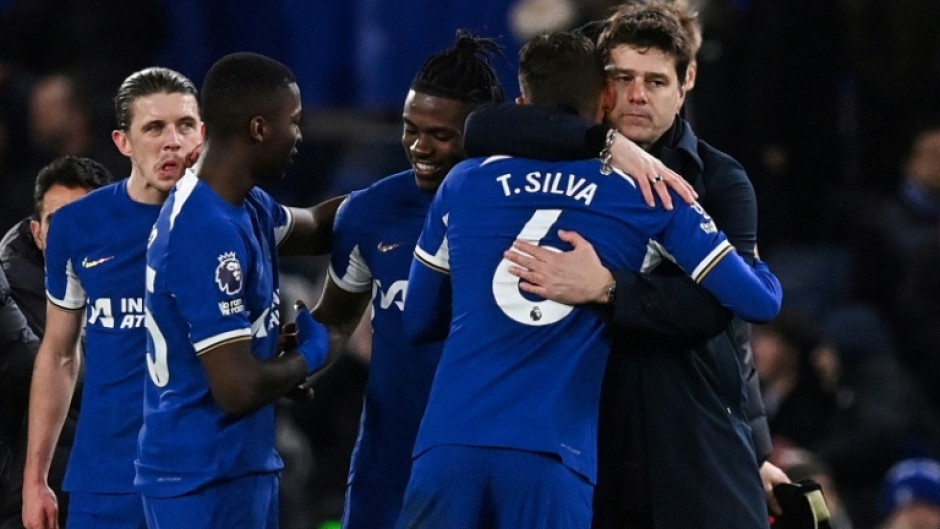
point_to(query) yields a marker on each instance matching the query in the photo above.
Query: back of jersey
(519, 371)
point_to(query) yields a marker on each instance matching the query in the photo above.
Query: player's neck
(225, 174)
(141, 191)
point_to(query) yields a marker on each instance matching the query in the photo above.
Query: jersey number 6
(506, 286)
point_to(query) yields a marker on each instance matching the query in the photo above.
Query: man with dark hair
(509, 436)
(375, 231)
(61, 182)
(206, 449)
(674, 392)
(21, 252)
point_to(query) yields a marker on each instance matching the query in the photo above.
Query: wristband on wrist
(606, 153)
(612, 293)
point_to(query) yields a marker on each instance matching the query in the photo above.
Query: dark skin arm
(312, 231)
(241, 383)
(341, 312)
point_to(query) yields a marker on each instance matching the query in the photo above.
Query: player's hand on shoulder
(651, 174)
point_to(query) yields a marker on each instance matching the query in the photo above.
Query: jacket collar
(679, 139)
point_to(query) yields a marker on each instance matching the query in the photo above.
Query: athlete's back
(518, 371)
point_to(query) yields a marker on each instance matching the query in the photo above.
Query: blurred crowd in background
(830, 105)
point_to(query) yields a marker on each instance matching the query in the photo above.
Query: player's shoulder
(194, 208)
(261, 202)
(96, 202)
(464, 171)
(383, 192)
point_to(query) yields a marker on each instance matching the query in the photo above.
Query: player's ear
(119, 137)
(257, 128)
(608, 97)
(690, 75)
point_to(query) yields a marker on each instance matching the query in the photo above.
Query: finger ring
(656, 179)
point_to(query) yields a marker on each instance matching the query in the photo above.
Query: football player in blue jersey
(374, 235)
(509, 434)
(94, 277)
(207, 457)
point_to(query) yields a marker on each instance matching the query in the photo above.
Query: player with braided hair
(373, 255)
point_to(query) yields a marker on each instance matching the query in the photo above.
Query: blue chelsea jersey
(95, 261)
(374, 237)
(519, 371)
(211, 278)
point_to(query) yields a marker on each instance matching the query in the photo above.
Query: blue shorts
(372, 505)
(249, 502)
(470, 487)
(89, 510)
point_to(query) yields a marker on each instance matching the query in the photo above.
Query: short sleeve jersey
(374, 236)
(211, 278)
(95, 262)
(519, 371)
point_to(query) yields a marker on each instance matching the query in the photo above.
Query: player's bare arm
(241, 383)
(651, 175)
(54, 377)
(312, 230)
(341, 312)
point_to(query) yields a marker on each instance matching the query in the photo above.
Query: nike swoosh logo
(387, 247)
(95, 262)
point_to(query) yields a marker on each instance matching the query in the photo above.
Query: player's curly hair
(463, 72)
(71, 172)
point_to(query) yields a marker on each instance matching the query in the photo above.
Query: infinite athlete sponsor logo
(123, 313)
(387, 247)
(91, 263)
(228, 275)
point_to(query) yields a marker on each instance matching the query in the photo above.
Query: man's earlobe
(119, 137)
(34, 230)
(256, 128)
(690, 74)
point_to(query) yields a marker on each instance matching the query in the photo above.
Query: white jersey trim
(711, 260)
(358, 276)
(283, 232)
(184, 188)
(75, 296)
(204, 345)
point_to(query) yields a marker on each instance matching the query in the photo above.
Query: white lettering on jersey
(269, 319)
(387, 297)
(571, 186)
(101, 310)
(131, 321)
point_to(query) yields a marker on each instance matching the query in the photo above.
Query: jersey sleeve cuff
(348, 286)
(203, 346)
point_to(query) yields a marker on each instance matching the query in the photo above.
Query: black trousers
(622, 495)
